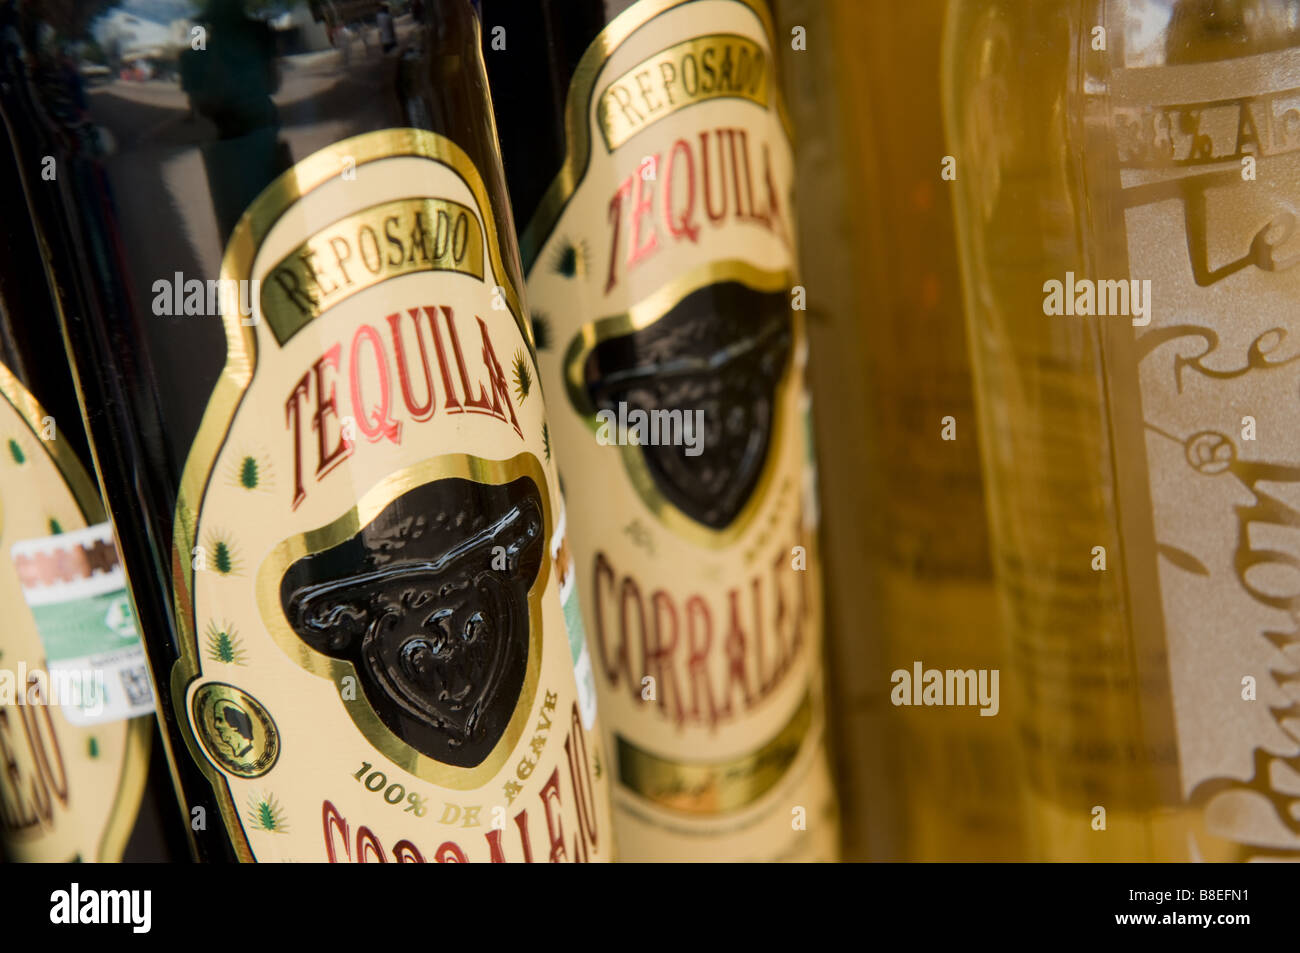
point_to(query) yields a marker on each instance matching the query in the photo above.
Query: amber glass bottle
(1127, 182)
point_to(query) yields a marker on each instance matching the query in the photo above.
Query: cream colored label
(662, 264)
(1219, 383)
(68, 791)
(377, 665)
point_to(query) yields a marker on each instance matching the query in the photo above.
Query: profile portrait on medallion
(429, 602)
(236, 731)
(718, 357)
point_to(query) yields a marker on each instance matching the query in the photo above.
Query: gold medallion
(237, 732)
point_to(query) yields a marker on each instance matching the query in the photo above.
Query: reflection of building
(124, 35)
(139, 46)
(180, 32)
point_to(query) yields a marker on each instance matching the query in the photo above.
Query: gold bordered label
(69, 789)
(690, 72)
(376, 663)
(661, 264)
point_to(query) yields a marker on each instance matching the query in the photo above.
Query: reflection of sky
(163, 11)
(140, 23)
(1144, 31)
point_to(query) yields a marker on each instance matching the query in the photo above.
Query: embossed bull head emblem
(429, 602)
(722, 349)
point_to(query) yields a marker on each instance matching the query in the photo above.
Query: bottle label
(661, 280)
(73, 753)
(1209, 165)
(369, 575)
(74, 584)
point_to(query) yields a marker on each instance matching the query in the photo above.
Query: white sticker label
(75, 587)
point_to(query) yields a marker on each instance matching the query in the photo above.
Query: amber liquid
(908, 572)
(1031, 124)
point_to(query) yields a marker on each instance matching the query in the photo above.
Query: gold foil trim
(661, 85)
(130, 792)
(714, 787)
(336, 262)
(74, 474)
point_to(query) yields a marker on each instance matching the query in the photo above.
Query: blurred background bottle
(83, 775)
(1127, 181)
(887, 338)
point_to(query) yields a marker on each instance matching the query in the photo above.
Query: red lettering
(404, 852)
(680, 227)
(697, 663)
(658, 653)
(368, 843)
(603, 579)
(550, 795)
(325, 408)
(494, 841)
(714, 217)
(730, 166)
(453, 405)
(292, 419)
(449, 853)
(480, 402)
(638, 251)
(584, 787)
(497, 380)
(698, 678)
(334, 823)
(735, 647)
(630, 593)
(369, 376)
(418, 412)
(382, 424)
(616, 222)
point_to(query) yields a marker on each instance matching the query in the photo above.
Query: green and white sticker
(582, 670)
(75, 587)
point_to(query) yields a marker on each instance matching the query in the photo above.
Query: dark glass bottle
(83, 774)
(291, 296)
(650, 167)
